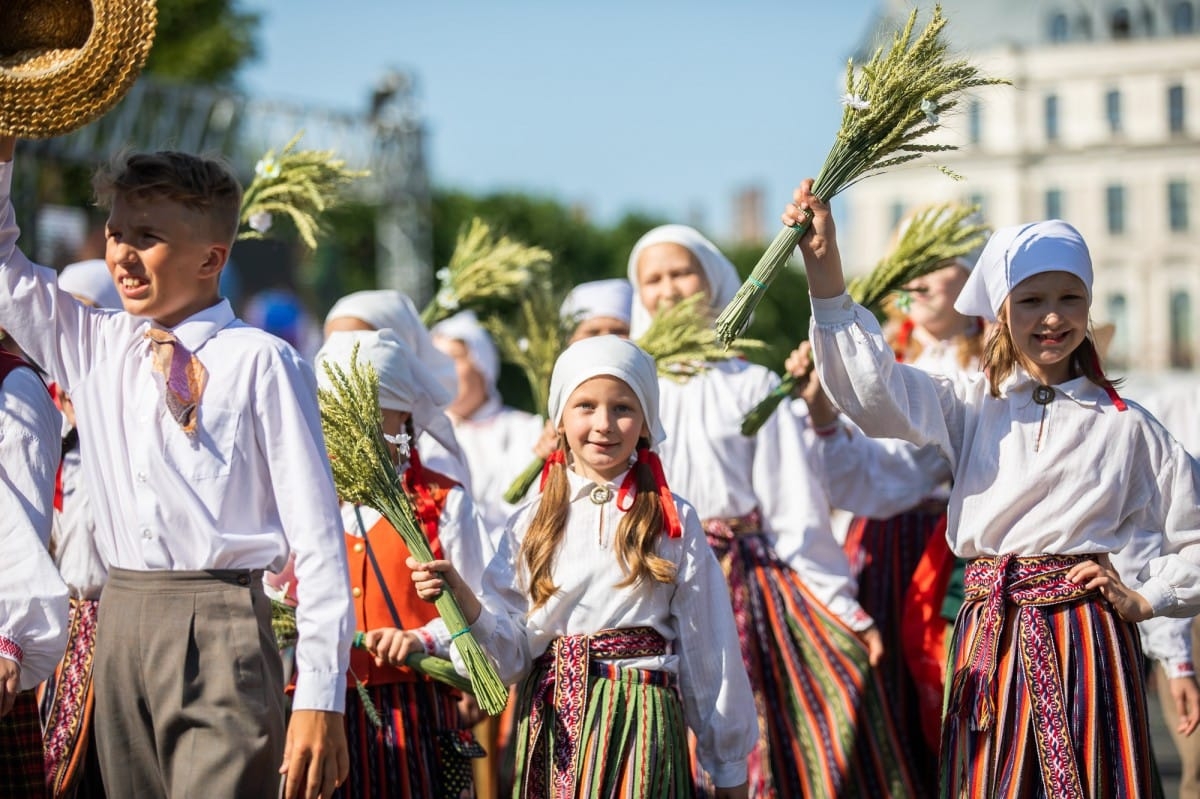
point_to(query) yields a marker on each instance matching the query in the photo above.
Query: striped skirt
(418, 753)
(1047, 695)
(21, 773)
(883, 555)
(633, 742)
(825, 729)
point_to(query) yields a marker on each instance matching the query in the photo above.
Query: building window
(1115, 206)
(975, 122)
(1183, 18)
(1181, 330)
(1058, 28)
(1175, 117)
(1051, 117)
(1083, 26)
(1177, 206)
(1118, 315)
(1120, 25)
(1054, 204)
(898, 210)
(1112, 110)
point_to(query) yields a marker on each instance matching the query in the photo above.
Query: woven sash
(565, 665)
(1031, 584)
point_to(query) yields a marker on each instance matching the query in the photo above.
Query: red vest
(371, 609)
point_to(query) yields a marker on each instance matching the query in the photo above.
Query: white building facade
(1101, 127)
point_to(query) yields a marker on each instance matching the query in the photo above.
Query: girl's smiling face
(1048, 318)
(602, 422)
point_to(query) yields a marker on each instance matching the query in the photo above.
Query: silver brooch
(600, 494)
(1043, 395)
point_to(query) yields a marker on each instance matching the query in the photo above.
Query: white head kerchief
(611, 299)
(464, 326)
(387, 309)
(92, 281)
(1015, 253)
(723, 280)
(614, 357)
(405, 384)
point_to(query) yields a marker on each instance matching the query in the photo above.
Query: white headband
(607, 356)
(1015, 253)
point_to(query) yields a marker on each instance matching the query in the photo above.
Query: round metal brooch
(1043, 395)
(601, 494)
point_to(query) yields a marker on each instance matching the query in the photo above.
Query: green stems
(734, 320)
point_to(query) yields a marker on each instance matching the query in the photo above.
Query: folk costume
(825, 730)
(611, 678)
(207, 440)
(33, 598)
(1046, 694)
(420, 750)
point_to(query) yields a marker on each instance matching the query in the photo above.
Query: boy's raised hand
(315, 757)
(819, 243)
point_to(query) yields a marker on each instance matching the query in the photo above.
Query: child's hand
(432, 577)
(800, 365)
(819, 244)
(391, 647)
(737, 792)
(1186, 693)
(1099, 574)
(873, 640)
(469, 712)
(547, 442)
(10, 683)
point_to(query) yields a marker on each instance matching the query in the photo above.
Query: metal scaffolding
(387, 139)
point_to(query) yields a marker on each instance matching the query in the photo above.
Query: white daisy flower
(853, 101)
(260, 221)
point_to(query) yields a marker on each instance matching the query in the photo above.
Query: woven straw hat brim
(49, 91)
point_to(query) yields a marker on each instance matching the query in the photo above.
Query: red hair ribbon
(1117, 402)
(665, 499)
(556, 457)
(904, 338)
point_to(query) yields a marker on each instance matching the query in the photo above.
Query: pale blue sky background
(667, 107)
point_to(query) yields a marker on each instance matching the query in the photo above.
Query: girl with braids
(1052, 473)
(607, 604)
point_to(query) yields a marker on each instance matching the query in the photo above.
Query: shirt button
(357, 591)
(847, 304)
(146, 534)
(358, 547)
(141, 477)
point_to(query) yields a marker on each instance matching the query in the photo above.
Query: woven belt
(566, 669)
(1030, 583)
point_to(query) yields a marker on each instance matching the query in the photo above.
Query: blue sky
(667, 107)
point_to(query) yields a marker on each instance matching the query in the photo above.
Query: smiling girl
(1053, 471)
(607, 605)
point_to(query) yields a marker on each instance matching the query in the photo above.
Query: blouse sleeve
(717, 699)
(885, 398)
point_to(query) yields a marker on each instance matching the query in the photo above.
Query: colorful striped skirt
(418, 753)
(825, 728)
(883, 555)
(67, 701)
(1047, 694)
(606, 733)
(21, 771)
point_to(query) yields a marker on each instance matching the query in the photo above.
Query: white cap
(610, 356)
(464, 326)
(722, 276)
(611, 299)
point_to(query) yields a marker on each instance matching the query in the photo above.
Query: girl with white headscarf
(422, 719)
(766, 513)
(605, 602)
(496, 439)
(1053, 471)
(387, 309)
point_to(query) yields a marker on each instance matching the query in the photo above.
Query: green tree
(202, 42)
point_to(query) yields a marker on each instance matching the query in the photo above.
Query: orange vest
(371, 609)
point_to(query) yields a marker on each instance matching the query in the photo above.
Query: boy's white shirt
(725, 474)
(254, 482)
(33, 598)
(694, 614)
(1080, 480)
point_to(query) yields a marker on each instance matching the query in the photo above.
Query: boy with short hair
(205, 435)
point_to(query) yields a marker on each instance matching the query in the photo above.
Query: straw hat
(64, 63)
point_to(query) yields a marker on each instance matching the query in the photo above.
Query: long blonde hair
(637, 533)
